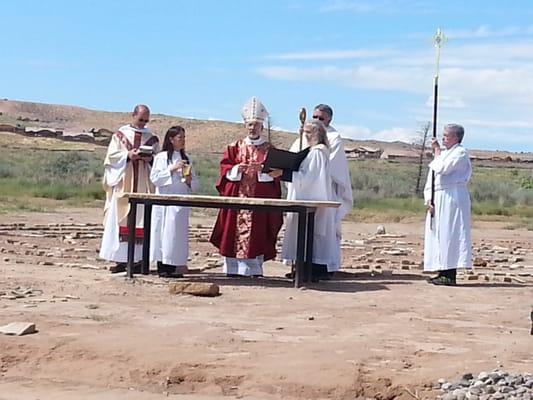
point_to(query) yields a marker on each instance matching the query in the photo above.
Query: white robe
(313, 182)
(341, 184)
(447, 243)
(118, 178)
(170, 224)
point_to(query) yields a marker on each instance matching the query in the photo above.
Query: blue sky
(372, 61)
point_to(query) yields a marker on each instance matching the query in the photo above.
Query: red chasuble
(244, 233)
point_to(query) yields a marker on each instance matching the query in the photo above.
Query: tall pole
(438, 40)
(268, 129)
(302, 116)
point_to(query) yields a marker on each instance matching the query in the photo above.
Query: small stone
(446, 386)
(479, 262)
(194, 288)
(18, 328)
(381, 230)
(483, 376)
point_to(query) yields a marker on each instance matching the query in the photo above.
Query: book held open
(283, 159)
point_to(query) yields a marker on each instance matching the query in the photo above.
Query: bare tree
(421, 142)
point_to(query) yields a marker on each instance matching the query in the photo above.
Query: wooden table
(304, 208)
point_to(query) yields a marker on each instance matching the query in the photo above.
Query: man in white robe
(341, 184)
(126, 169)
(447, 243)
(312, 181)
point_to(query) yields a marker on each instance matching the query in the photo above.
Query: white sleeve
(262, 177)
(114, 172)
(234, 175)
(160, 174)
(447, 165)
(427, 188)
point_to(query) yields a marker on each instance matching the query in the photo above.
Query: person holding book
(341, 184)
(126, 169)
(172, 173)
(312, 181)
(247, 238)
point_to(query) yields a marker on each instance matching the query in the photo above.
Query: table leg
(309, 246)
(132, 216)
(300, 249)
(145, 268)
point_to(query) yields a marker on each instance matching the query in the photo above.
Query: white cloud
(484, 32)
(388, 135)
(499, 124)
(499, 73)
(447, 102)
(331, 55)
(366, 76)
(381, 6)
(485, 84)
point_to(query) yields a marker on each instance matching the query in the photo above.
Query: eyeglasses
(144, 120)
(319, 118)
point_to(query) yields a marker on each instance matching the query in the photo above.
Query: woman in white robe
(313, 182)
(447, 242)
(171, 174)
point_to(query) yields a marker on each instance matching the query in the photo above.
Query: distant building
(363, 152)
(400, 154)
(42, 132)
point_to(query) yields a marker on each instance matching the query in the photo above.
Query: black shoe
(118, 267)
(122, 267)
(233, 275)
(443, 281)
(289, 275)
(165, 274)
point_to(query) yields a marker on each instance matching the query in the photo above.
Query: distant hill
(203, 136)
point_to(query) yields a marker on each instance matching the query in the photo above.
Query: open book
(283, 159)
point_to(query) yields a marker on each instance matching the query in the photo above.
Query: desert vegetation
(39, 175)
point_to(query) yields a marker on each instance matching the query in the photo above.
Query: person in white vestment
(126, 169)
(171, 173)
(341, 184)
(447, 242)
(312, 181)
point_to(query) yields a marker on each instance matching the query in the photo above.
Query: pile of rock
(495, 385)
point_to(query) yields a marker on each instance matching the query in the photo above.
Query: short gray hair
(457, 130)
(325, 108)
(320, 130)
(139, 107)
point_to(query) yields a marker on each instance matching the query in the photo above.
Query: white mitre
(254, 111)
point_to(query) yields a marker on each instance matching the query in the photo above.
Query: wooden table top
(221, 200)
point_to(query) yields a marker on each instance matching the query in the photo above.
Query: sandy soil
(377, 330)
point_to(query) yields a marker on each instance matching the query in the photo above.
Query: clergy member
(312, 181)
(172, 173)
(341, 184)
(126, 169)
(247, 238)
(447, 244)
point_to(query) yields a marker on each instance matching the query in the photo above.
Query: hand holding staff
(438, 39)
(302, 116)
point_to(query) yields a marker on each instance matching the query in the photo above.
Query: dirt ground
(377, 330)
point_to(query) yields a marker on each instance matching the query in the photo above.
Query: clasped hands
(178, 166)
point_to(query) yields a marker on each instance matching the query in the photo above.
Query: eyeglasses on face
(318, 117)
(144, 120)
